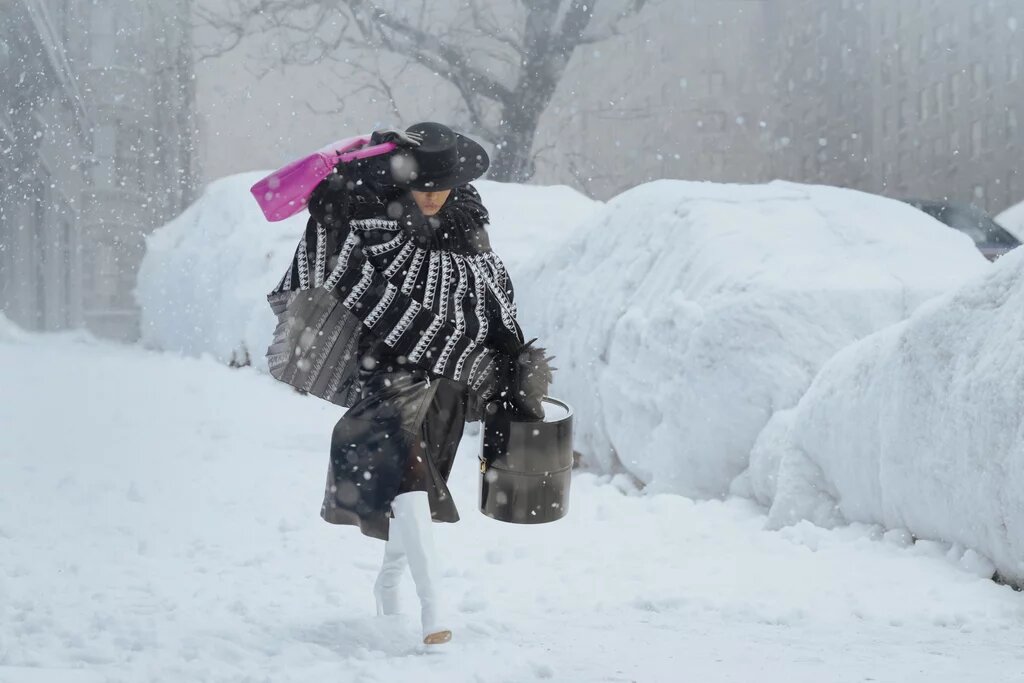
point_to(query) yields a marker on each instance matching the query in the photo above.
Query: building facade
(683, 93)
(41, 181)
(823, 97)
(127, 67)
(917, 98)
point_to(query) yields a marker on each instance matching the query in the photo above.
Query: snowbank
(919, 427)
(204, 279)
(9, 332)
(1013, 220)
(685, 314)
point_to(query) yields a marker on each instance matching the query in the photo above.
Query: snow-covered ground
(159, 522)
(683, 315)
(918, 427)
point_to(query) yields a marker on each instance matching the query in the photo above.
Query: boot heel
(437, 638)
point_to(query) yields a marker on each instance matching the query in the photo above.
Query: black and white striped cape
(433, 306)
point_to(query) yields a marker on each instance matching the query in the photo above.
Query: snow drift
(9, 332)
(918, 427)
(203, 282)
(685, 314)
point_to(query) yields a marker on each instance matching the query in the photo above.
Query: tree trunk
(513, 154)
(546, 58)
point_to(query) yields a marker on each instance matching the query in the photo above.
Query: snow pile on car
(1013, 220)
(685, 314)
(918, 428)
(203, 282)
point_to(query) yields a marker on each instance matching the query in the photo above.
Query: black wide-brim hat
(444, 159)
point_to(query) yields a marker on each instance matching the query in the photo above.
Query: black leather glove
(399, 137)
(522, 380)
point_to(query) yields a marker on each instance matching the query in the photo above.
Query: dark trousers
(401, 435)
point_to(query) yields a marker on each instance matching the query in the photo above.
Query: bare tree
(504, 69)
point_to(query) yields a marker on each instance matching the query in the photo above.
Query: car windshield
(972, 221)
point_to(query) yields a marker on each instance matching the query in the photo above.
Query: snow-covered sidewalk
(159, 522)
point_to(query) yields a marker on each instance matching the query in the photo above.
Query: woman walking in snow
(396, 307)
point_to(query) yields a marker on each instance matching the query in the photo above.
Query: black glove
(522, 380)
(378, 171)
(399, 137)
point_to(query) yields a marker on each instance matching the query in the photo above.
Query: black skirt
(401, 435)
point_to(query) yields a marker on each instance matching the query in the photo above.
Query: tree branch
(439, 55)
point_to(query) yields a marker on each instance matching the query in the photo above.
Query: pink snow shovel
(285, 192)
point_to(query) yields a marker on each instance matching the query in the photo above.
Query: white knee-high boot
(385, 589)
(412, 523)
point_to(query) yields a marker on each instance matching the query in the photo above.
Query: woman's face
(430, 202)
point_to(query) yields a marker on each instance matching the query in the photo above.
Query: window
(979, 79)
(128, 22)
(105, 274)
(716, 83)
(1011, 125)
(977, 17)
(954, 90)
(903, 164)
(128, 156)
(717, 163)
(954, 142)
(906, 114)
(977, 139)
(1012, 67)
(886, 122)
(940, 97)
(923, 97)
(906, 57)
(101, 34)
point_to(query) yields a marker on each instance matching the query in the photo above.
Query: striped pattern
(436, 307)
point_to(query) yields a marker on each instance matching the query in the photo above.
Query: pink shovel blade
(286, 191)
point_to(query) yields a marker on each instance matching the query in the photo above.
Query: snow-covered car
(991, 238)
